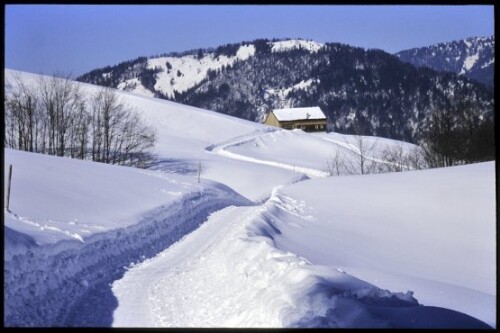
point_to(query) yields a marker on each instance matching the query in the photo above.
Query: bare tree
(394, 159)
(61, 98)
(79, 130)
(21, 116)
(416, 159)
(365, 149)
(335, 164)
(47, 92)
(119, 136)
(359, 158)
(138, 138)
(53, 116)
(355, 159)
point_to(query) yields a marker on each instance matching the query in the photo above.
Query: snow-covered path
(223, 150)
(232, 272)
(203, 281)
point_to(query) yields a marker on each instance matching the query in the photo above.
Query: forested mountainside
(473, 57)
(362, 91)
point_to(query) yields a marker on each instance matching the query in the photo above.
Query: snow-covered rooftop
(299, 113)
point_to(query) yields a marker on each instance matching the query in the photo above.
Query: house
(310, 119)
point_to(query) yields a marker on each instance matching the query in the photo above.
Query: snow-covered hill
(293, 261)
(473, 57)
(244, 246)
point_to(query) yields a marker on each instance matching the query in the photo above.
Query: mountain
(473, 57)
(362, 91)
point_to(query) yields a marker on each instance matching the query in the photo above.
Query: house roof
(299, 114)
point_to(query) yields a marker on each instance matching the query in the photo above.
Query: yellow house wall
(272, 120)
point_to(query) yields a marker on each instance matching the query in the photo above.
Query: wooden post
(8, 188)
(199, 171)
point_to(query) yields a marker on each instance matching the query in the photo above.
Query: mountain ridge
(367, 91)
(473, 57)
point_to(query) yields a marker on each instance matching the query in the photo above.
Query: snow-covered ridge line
(292, 44)
(51, 285)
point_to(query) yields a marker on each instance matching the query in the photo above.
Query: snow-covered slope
(432, 232)
(75, 227)
(64, 198)
(175, 75)
(178, 74)
(296, 260)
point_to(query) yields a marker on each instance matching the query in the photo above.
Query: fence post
(199, 171)
(8, 187)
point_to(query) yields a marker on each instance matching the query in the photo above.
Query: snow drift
(431, 232)
(231, 272)
(52, 279)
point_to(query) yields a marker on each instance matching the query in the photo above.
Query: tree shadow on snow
(183, 167)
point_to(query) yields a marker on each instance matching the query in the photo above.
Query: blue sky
(78, 38)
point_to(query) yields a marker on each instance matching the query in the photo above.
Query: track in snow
(191, 285)
(229, 273)
(221, 149)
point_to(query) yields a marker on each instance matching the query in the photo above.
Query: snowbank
(55, 198)
(124, 215)
(431, 232)
(229, 273)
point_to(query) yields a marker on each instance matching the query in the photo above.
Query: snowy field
(266, 239)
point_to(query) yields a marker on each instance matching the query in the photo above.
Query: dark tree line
(54, 117)
(458, 135)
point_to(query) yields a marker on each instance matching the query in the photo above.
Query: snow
(442, 223)
(283, 93)
(291, 114)
(489, 63)
(237, 261)
(52, 202)
(135, 86)
(265, 257)
(469, 62)
(293, 44)
(188, 71)
(245, 51)
(266, 239)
